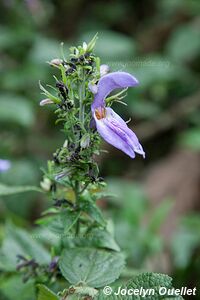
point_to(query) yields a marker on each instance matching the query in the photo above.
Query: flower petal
(110, 82)
(114, 130)
(92, 87)
(116, 120)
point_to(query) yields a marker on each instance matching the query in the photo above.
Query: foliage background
(156, 215)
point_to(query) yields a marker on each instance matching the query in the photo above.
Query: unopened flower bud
(84, 46)
(56, 62)
(85, 141)
(104, 69)
(65, 144)
(46, 184)
(46, 101)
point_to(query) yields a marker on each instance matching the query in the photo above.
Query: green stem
(83, 189)
(81, 98)
(81, 119)
(76, 191)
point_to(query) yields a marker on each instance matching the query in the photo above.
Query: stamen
(100, 113)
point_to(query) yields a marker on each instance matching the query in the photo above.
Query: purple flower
(112, 128)
(4, 165)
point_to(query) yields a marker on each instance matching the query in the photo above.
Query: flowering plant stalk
(84, 257)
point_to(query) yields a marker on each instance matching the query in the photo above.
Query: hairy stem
(76, 191)
(81, 98)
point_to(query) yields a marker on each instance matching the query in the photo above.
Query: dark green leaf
(102, 239)
(93, 211)
(23, 243)
(14, 288)
(94, 267)
(98, 238)
(146, 281)
(45, 293)
(60, 223)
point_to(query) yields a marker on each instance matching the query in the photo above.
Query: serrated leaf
(146, 281)
(6, 190)
(94, 267)
(45, 293)
(151, 281)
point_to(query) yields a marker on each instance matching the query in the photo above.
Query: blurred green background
(156, 215)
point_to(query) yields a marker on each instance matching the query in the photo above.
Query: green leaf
(60, 223)
(21, 242)
(17, 110)
(94, 267)
(92, 43)
(97, 238)
(45, 293)
(152, 281)
(93, 211)
(146, 281)
(14, 288)
(102, 239)
(6, 190)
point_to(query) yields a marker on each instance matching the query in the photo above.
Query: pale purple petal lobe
(115, 131)
(92, 87)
